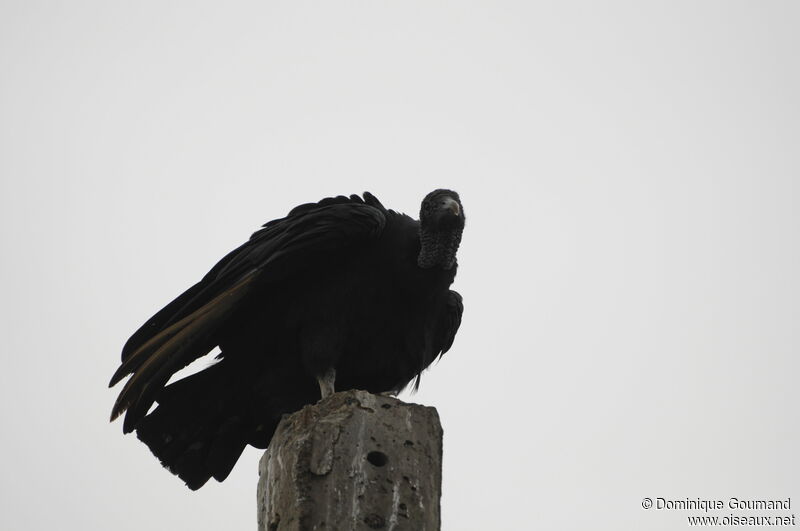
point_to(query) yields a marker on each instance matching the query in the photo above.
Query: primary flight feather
(340, 293)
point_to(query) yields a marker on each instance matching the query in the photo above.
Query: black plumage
(341, 289)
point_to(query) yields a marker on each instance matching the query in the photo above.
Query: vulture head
(441, 222)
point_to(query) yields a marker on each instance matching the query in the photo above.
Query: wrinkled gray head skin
(441, 222)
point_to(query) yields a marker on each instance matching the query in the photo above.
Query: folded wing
(190, 326)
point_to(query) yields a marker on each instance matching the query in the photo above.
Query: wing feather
(451, 321)
(177, 349)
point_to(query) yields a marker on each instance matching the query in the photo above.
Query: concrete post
(353, 461)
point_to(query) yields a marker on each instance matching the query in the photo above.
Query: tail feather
(197, 431)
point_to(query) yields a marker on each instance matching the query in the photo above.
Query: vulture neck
(438, 248)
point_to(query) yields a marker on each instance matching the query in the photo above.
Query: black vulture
(341, 292)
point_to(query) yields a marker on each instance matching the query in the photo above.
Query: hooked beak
(451, 204)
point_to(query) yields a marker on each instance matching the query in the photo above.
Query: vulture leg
(326, 382)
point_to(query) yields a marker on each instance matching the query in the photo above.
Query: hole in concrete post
(377, 458)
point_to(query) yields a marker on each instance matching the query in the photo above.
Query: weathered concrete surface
(353, 461)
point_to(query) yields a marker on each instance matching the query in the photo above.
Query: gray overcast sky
(630, 175)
